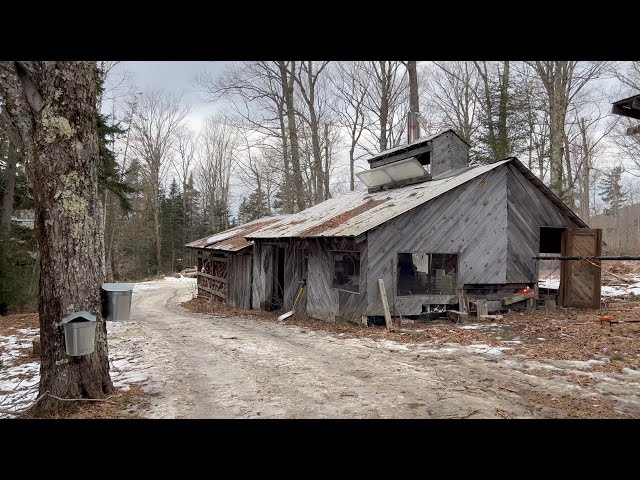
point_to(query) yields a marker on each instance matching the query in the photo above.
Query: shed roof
(233, 240)
(627, 107)
(411, 146)
(355, 213)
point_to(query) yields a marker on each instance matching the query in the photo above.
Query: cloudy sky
(175, 77)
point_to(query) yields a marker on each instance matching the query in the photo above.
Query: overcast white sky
(175, 77)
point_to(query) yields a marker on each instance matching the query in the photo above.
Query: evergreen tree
(613, 194)
(109, 174)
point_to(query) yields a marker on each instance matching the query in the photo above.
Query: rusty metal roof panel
(355, 213)
(233, 240)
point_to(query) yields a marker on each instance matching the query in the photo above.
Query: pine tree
(613, 194)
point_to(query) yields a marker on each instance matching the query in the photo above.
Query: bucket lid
(81, 314)
(117, 287)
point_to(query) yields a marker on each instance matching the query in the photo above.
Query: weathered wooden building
(224, 270)
(435, 230)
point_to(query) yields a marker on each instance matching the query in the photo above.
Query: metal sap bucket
(116, 301)
(79, 333)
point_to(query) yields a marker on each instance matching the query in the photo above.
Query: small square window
(346, 271)
(427, 273)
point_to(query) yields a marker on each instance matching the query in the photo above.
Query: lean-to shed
(224, 267)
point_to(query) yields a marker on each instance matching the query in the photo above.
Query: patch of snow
(181, 279)
(630, 372)
(139, 286)
(28, 331)
(472, 327)
(542, 339)
(549, 282)
(486, 349)
(582, 364)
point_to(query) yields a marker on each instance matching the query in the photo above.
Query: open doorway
(549, 267)
(277, 284)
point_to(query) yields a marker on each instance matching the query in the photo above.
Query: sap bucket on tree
(79, 333)
(116, 301)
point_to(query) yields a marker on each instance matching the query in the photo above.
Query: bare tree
(414, 101)
(217, 154)
(349, 80)
(454, 88)
(386, 103)
(155, 127)
(562, 81)
(307, 80)
(53, 106)
(262, 94)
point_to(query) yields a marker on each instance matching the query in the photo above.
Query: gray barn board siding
(449, 152)
(293, 268)
(258, 292)
(470, 220)
(324, 302)
(528, 210)
(239, 281)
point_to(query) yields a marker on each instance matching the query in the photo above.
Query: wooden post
(550, 305)
(481, 308)
(385, 304)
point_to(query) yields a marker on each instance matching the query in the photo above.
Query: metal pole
(587, 258)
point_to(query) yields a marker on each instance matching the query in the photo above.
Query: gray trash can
(116, 301)
(79, 333)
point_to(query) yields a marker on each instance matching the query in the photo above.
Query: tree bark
(327, 162)
(586, 173)
(53, 104)
(503, 138)
(9, 191)
(287, 86)
(384, 104)
(414, 99)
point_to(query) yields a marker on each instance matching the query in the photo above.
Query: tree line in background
(294, 133)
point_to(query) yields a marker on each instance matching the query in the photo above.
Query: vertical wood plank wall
(239, 281)
(470, 220)
(528, 210)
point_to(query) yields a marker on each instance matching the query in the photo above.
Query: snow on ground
(181, 279)
(620, 290)
(549, 282)
(18, 381)
(606, 290)
(144, 286)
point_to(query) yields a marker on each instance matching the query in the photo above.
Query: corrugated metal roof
(234, 240)
(353, 214)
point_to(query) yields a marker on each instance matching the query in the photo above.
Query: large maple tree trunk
(58, 128)
(8, 193)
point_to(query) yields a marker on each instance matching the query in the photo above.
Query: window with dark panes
(346, 271)
(427, 273)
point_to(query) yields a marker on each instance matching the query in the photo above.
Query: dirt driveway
(199, 366)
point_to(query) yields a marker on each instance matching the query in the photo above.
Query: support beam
(588, 258)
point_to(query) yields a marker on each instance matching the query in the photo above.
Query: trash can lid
(117, 287)
(81, 314)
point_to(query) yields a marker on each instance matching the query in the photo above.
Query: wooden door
(580, 279)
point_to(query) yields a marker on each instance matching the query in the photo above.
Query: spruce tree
(612, 191)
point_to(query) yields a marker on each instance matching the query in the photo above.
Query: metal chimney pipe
(412, 127)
